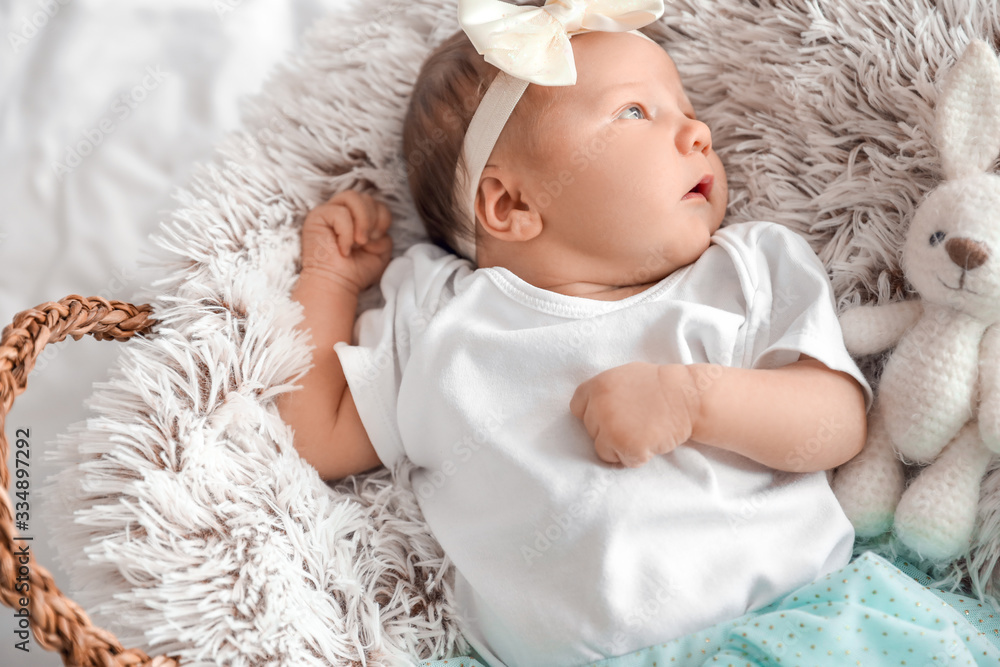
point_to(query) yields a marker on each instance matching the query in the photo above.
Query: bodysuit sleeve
(791, 307)
(412, 286)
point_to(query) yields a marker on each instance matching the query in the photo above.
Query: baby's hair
(450, 85)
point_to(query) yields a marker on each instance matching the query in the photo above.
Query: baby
(619, 414)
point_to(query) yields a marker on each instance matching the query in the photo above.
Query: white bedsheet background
(105, 105)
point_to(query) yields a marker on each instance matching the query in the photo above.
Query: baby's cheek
(721, 180)
(574, 194)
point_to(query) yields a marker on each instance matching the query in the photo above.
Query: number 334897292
(21, 457)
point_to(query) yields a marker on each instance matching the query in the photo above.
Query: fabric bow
(532, 43)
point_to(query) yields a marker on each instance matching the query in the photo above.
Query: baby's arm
(802, 417)
(345, 248)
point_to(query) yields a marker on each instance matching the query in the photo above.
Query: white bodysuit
(560, 557)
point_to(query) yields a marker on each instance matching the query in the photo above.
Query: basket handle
(58, 623)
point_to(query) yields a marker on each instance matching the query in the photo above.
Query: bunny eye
(936, 238)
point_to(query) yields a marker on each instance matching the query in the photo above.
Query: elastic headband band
(511, 38)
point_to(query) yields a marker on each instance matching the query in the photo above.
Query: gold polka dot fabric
(869, 613)
(982, 615)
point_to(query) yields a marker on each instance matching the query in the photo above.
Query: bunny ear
(968, 113)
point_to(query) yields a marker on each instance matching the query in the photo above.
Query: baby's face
(625, 178)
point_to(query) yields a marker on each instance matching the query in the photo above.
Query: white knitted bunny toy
(938, 398)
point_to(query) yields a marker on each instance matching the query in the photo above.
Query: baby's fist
(346, 240)
(636, 411)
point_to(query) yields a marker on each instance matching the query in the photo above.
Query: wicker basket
(57, 622)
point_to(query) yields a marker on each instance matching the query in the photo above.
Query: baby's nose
(967, 253)
(695, 137)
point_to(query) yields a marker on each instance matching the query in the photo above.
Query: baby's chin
(671, 259)
(692, 246)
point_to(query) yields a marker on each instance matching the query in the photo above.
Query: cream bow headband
(529, 45)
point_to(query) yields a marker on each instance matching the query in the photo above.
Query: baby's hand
(636, 411)
(346, 240)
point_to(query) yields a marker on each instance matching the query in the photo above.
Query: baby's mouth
(701, 189)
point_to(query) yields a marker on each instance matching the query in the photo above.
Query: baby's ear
(502, 213)
(968, 113)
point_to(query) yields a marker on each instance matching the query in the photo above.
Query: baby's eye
(630, 111)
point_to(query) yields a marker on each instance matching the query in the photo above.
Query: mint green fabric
(869, 612)
(461, 661)
(983, 616)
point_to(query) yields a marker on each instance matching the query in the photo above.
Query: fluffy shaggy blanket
(186, 518)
